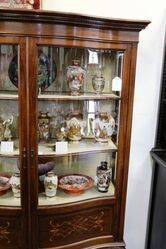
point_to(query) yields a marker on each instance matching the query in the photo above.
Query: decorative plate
(4, 184)
(75, 184)
(47, 71)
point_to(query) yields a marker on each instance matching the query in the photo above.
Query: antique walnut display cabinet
(66, 95)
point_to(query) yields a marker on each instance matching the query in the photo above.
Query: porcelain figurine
(75, 126)
(50, 183)
(44, 127)
(103, 177)
(75, 77)
(98, 82)
(2, 129)
(15, 183)
(102, 127)
(7, 131)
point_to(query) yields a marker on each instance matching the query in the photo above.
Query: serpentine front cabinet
(66, 94)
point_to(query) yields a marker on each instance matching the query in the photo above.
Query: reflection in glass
(9, 127)
(78, 112)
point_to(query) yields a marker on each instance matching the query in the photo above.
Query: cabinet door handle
(32, 154)
(24, 155)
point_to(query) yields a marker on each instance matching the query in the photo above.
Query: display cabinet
(66, 93)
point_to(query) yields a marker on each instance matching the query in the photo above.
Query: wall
(149, 65)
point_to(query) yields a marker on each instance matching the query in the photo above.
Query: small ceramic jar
(50, 183)
(15, 183)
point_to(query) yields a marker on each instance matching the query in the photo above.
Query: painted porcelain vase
(44, 126)
(75, 126)
(103, 177)
(102, 127)
(50, 184)
(98, 82)
(75, 77)
(15, 183)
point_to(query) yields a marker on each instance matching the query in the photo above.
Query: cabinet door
(79, 112)
(13, 165)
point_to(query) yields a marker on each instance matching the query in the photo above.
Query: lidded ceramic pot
(50, 184)
(102, 126)
(15, 183)
(75, 126)
(75, 77)
(98, 82)
(103, 177)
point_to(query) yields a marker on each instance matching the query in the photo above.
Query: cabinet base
(84, 245)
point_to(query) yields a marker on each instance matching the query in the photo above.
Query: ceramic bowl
(4, 183)
(75, 184)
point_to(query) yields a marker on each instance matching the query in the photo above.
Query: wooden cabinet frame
(30, 29)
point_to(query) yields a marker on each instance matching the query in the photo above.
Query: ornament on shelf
(7, 129)
(44, 126)
(104, 176)
(98, 82)
(75, 126)
(15, 183)
(50, 183)
(102, 126)
(75, 77)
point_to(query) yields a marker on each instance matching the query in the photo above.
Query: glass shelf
(74, 148)
(5, 96)
(63, 198)
(87, 96)
(9, 200)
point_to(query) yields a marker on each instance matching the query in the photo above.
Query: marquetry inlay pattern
(4, 232)
(76, 226)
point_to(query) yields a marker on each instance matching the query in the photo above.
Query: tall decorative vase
(75, 77)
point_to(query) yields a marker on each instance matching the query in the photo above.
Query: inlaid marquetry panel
(58, 230)
(10, 229)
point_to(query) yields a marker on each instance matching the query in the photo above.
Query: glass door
(12, 142)
(79, 97)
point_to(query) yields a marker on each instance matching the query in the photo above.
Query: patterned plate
(47, 71)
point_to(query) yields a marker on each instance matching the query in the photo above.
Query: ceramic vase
(75, 77)
(98, 83)
(50, 184)
(102, 127)
(15, 183)
(44, 127)
(75, 126)
(103, 177)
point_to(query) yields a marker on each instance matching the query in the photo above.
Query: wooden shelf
(63, 198)
(75, 148)
(9, 200)
(88, 96)
(5, 96)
